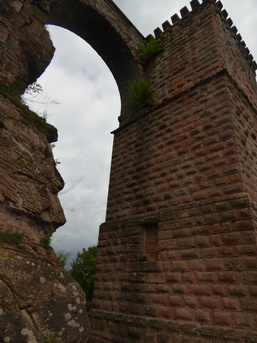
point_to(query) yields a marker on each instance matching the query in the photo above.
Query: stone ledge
(184, 329)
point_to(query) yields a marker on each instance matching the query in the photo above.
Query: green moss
(46, 241)
(30, 118)
(11, 237)
(149, 49)
(62, 257)
(13, 91)
(51, 340)
(141, 93)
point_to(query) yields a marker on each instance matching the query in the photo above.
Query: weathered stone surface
(39, 299)
(29, 179)
(28, 48)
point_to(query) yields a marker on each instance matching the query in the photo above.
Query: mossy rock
(30, 118)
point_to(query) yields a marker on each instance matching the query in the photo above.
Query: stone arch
(26, 49)
(99, 23)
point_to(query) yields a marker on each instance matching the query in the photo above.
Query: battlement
(196, 6)
(200, 44)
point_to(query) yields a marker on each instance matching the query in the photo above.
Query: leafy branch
(33, 95)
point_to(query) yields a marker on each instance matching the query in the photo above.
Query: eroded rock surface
(39, 301)
(29, 180)
(25, 46)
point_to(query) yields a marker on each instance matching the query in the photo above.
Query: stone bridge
(177, 253)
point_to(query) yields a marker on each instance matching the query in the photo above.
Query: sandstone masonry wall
(177, 253)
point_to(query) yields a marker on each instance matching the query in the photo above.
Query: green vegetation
(33, 89)
(141, 93)
(11, 237)
(83, 271)
(30, 118)
(62, 257)
(149, 49)
(12, 91)
(34, 95)
(46, 241)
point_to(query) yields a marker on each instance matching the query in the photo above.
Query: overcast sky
(88, 111)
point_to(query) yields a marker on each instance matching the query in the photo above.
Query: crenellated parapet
(197, 6)
(200, 44)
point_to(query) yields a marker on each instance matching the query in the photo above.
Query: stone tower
(177, 253)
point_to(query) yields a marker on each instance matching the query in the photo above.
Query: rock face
(26, 48)
(39, 299)
(29, 180)
(177, 254)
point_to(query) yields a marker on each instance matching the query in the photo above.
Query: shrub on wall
(141, 93)
(149, 49)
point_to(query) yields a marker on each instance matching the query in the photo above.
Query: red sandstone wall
(245, 133)
(177, 254)
(192, 185)
(189, 132)
(173, 155)
(236, 58)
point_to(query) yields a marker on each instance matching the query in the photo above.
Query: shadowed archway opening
(101, 29)
(88, 110)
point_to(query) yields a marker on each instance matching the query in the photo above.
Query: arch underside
(95, 29)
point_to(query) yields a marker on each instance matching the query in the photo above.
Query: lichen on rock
(36, 293)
